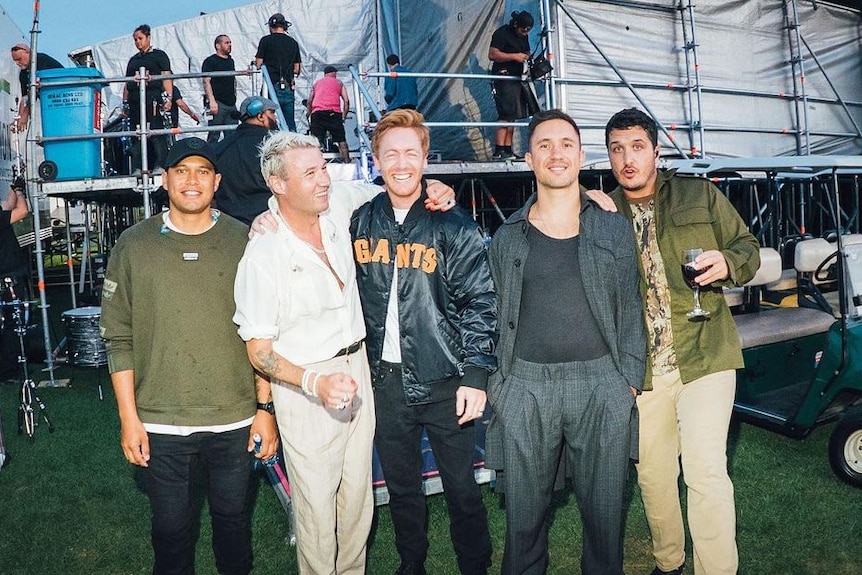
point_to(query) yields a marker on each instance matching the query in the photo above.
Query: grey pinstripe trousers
(588, 409)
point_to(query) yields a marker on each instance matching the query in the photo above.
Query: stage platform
(128, 190)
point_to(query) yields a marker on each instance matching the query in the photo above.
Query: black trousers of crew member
(586, 408)
(398, 436)
(157, 146)
(10, 345)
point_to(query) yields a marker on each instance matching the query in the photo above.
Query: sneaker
(410, 568)
(677, 571)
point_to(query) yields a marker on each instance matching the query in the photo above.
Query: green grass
(69, 504)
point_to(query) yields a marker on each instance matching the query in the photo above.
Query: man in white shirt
(298, 311)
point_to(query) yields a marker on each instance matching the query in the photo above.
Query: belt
(352, 348)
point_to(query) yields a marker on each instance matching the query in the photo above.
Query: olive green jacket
(692, 213)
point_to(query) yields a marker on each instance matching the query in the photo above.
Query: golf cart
(803, 357)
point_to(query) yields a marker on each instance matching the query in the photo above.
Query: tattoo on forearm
(268, 363)
(261, 383)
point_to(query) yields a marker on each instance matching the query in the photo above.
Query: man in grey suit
(571, 356)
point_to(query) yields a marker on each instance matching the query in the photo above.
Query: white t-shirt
(392, 333)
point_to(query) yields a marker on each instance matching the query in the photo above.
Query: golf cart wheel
(48, 171)
(845, 448)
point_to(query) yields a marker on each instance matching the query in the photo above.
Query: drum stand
(26, 414)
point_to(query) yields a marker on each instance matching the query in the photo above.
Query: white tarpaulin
(744, 62)
(337, 32)
(743, 46)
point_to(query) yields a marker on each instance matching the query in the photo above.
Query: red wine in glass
(689, 273)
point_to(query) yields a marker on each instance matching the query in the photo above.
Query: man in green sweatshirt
(185, 390)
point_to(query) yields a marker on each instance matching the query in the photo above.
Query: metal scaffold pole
(689, 36)
(800, 96)
(33, 184)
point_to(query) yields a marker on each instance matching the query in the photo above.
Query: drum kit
(15, 316)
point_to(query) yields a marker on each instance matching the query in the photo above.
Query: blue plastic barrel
(72, 110)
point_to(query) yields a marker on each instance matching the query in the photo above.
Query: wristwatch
(267, 407)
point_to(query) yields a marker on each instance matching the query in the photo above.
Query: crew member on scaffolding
(21, 57)
(220, 91)
(180, 104)
(157, 99)
(283, 60)
(13, 265)
(243, 192)
(328, 105)
(510, 49)
(399, 91)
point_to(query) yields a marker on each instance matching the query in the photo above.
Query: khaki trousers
(689, 422)
(328, 458)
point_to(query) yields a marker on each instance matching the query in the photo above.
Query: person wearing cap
(243, 192)
(220, 91)
(509, 50)
(399, 91)
(21, 56)
(283, 61)
(329, 105)
(187, 396)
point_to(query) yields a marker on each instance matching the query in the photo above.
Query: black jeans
(168, 482)
(157, 146)
(398, 436)
(10, 345)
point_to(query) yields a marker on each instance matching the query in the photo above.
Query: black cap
(278, 19)
(190, 147)
(330, 69)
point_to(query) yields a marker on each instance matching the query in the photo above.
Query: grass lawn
(70, 504)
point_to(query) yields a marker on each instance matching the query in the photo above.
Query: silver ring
(480, 413)
(342, 405)
(345, 399)
(451, 202)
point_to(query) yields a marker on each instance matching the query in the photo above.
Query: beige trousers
(328, 457)
(689, 422)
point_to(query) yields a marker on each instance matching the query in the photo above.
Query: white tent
(724, 77)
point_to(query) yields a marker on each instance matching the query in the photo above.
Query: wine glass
(689, 273)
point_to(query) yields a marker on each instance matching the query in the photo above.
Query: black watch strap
(267, 407)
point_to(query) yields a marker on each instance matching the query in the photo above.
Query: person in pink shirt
(328, 106)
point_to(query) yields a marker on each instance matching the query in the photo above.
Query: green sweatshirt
(167, 305)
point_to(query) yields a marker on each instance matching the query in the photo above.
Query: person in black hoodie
(243, 193)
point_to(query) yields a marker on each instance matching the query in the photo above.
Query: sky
(69, 24)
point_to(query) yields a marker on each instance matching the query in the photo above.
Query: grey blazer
(609, 272)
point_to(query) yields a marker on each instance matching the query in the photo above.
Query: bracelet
(306, 376)
(314, 384)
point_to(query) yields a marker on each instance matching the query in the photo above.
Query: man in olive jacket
(686, 410)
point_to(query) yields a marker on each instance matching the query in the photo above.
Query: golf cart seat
(768, 272)
(781, 324)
